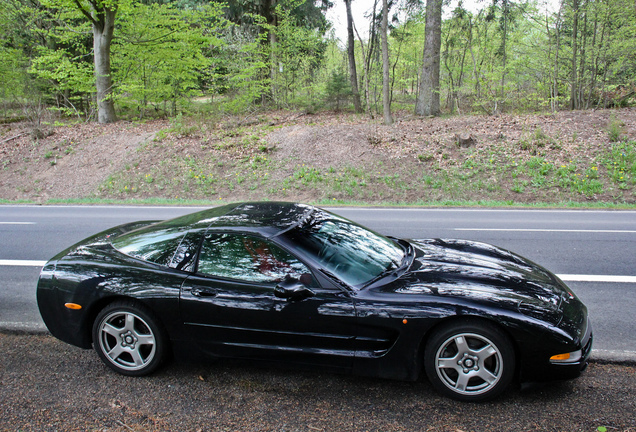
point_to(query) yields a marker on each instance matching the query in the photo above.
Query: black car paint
(377, 330)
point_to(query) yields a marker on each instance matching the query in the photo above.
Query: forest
(103, 60)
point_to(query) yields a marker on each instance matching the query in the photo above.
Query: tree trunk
(506, 13)
(353, 74)
(451, 78)
(365, 68)
(428, 96)
(555, 82)
(582, 66)
(575, 30)
(597, 59)
(472, 55)
(269, 12)
(103, 27)
(369, 56)
(386, 84)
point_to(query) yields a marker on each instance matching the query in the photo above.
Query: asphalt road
(593, 250)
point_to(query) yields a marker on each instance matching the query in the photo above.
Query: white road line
(547, 230)
(597, 278)
(17, 223)
(22, 263)
(564, 277)
(475, 210)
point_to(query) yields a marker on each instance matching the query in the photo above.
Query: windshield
(352, 253)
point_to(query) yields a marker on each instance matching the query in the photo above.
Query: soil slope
(326, 157)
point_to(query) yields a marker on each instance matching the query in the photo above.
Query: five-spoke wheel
(469, 361)
(128, 338)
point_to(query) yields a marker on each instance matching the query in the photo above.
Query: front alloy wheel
(470, 362)
(128, 339)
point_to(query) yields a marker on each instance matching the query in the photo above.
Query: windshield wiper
(334, 277)
(408, 249)
(391, 270)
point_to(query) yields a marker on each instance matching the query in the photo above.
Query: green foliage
(615, 129)
(338, 88)
(159, 55)
(620, 163)
(295, 57)
(13, 62)
(535, 72)
(12, 73)
(239, 68)
(508, 55)
(62, 71)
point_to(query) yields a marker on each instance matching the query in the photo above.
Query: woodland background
(492, 102)
(177, 56)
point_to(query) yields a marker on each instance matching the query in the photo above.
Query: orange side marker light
(73, 306)
(560, 357)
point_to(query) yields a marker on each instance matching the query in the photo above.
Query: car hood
(483, 273)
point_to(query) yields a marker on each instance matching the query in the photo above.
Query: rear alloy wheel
(128, 339)
(470, 361)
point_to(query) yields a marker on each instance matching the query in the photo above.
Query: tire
(129, 339)
(469, 361)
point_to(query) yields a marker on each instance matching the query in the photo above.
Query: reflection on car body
(294, 283)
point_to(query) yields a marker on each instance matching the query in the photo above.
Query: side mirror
(291, 289)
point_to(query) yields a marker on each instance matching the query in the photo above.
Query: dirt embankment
(322, 157)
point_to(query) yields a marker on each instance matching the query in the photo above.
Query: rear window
(157, 245)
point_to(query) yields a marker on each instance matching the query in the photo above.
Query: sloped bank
(564, 157)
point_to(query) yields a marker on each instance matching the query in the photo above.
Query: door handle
(200, 292)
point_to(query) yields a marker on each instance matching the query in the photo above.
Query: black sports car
(291, 282)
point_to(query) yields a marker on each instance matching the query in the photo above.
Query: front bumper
(544, 369)
(573, 368)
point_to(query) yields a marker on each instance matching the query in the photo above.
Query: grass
(615, 129)
(347, 203)
(129, 201)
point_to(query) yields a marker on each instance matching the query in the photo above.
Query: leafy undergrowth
(570, 157)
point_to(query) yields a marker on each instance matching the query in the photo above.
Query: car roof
(266, 218)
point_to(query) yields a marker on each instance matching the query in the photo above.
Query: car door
(250, 298)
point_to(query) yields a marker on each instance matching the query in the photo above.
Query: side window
(250, 259)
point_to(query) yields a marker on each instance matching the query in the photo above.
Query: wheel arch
(96, 307)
